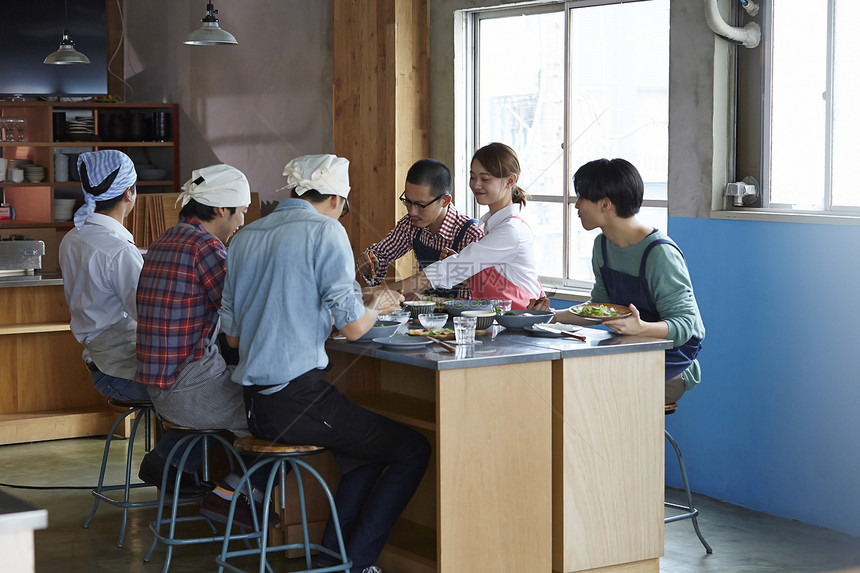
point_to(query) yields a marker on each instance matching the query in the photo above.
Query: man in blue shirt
(290, 275)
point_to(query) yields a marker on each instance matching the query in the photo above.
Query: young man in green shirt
(639, 266)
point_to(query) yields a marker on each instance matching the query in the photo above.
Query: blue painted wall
(775, 423)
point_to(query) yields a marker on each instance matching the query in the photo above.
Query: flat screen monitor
(32, 29)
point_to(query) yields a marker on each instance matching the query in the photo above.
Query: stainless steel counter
(508, 347)
(47, 279)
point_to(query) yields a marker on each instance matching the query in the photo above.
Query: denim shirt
(289, 275)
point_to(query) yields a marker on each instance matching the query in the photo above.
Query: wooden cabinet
(147, 132)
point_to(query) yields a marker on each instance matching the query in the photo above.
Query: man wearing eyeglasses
(431, 225)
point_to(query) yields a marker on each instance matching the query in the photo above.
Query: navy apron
(428, 255)
(626, 289)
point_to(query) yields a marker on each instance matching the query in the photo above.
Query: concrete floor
(744, 541)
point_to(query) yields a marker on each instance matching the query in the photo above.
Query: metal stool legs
(142, 411)
(690, 512)
(185, 445)
(277, 469)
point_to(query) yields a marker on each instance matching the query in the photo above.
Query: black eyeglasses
(345, 210)
(420, 206)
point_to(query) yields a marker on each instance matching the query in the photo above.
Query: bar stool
(277, 455)
(181, 451)
(689, 512)
(141, 410)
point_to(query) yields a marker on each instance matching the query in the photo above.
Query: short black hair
(431, 173)
(107, 206)
(616, 179)
(201, 212)
(311, 195)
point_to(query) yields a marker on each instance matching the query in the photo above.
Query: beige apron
(113, 351)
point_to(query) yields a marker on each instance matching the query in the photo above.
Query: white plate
(402, 341)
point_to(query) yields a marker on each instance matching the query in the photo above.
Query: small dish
(516, 319)
(433, 320)
(403, 341)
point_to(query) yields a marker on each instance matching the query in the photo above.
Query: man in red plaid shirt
(178, 297)
(431, 225)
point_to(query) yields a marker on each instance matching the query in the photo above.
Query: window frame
(753, 101)
(471, 71)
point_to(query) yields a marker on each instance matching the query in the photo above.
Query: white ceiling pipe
(749, 35)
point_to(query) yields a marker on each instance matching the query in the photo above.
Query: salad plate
(437, 333)
(597, 312)
(400, 341)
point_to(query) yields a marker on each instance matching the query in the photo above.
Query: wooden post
(381, 108)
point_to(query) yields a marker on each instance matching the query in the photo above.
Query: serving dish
(619, 309)
(518, 319)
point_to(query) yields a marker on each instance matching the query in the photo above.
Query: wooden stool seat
(261, 446)
(167, 425)
(281, 458)
(130, 403)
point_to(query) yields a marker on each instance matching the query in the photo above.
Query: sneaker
(217, 508)
(372, 569)
(152, 468)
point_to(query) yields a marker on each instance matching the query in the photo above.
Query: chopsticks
(445, 345)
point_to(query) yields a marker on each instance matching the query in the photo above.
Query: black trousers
(381, 461)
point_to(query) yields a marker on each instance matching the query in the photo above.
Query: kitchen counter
(46, 279)
(508, 347)
(547, 452)
(46, 391)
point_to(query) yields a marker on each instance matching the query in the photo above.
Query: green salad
(595, 311)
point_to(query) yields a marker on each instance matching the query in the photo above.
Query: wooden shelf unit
(33, 202)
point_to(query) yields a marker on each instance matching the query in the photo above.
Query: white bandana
(327, 174)
(217, 186)
(99, 166)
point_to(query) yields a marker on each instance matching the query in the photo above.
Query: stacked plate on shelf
(64, 209)
(34, 173)
(80, 126)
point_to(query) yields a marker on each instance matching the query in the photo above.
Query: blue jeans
(125, 389)
(381, 461)
(119, 388)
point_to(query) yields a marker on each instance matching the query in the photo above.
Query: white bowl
(484, 318)
(433, 320)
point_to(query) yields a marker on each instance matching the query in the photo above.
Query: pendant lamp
(66, 54)
(210, 33)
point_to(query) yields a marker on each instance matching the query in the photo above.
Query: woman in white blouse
(502, 264)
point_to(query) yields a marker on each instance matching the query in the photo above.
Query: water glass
(504, 305)
(464, 329)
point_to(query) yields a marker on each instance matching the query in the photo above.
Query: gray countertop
(508, 347)
(17, 515)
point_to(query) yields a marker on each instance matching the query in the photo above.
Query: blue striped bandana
(104, 175)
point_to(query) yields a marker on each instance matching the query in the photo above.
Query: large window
(564, 84)
(797, 116)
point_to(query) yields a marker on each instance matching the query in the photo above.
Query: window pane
(546, 222)
(798, 106)
(620, 87)
(521, 94)
(846, 114)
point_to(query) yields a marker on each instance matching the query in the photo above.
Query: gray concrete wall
(254, 105)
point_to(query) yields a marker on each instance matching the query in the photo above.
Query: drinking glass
(20, 124)
(464, 329)
(504, 305)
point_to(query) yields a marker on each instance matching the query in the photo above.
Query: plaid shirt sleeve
(211, 268)
(394, 245)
